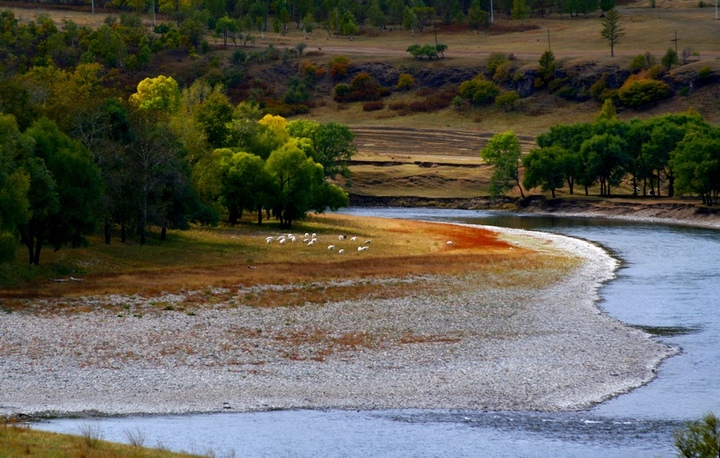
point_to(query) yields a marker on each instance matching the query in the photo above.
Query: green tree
(608, 112)
(697, 166)
(604, 157)
(547, 67)
(159, 96)
(699, 439)
(611, 29)
(295, 178)
(503, 152)
(477, 17)
(376, 16)
(409, 20)
(348, 25)
(226, 27)
(520, 9)
(544, 167)
(65, 188)
(331, 145)
(14, 180)
(669, 59)
(244, 182)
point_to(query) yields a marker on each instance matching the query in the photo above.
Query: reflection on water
(668, 285)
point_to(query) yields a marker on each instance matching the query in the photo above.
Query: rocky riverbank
(473, 346)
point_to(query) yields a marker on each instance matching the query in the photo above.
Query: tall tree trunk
(106, 230)
(259, 213)
(163, 232)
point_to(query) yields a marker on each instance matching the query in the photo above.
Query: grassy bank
(20, 440)
(204, 258)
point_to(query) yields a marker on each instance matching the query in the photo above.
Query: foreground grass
(16, 441)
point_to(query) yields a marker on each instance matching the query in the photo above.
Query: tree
(331, 145)
(520, 9)
(14, 180)
(544, 167)
(477, 17)
(699, 439)
(65, 188)
(159, 95)
(503, 152)
(226, 27)
(669, 59)
(611, 30)
(295, 178)
(608, 112)
(244, 182)
(696, 163)
(410, 20)
(348, 25)
(604, 159)
(547, 67)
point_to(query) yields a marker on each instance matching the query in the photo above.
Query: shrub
(397, 106)
(704, 73)
(405, 82)
(339, 67)
(639, 63)
(341, 91)
(494, 61)
(599, 87)
(479, 91)
(238, 57)
(373, 106)
(639, 92)
(508, 100)
(503, 72)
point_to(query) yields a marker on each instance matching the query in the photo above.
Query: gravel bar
(478, 347)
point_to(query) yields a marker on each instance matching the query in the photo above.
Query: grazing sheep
(331, 247)
(269, 239)
(363, 248)
(367, 242)
(311, 242)
(353, 239)
(342, 237)
(341, 251)
(449, 242)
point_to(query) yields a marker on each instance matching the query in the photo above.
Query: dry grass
(18, 440)
(235, 267)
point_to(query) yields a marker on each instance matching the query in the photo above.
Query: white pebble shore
(486, 348)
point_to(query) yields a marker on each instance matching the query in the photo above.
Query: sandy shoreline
(478, 348)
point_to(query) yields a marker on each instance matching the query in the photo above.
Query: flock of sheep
(312, 240)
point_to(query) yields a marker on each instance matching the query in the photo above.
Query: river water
(669, 285)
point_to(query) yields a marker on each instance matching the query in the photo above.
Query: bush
(494, 61)
(373, 106)
(503, 72)
(340, 92)
(479, 91)
(704, 73)
(339, 67)
(418, 106)
(508, 100)
(397, 106)
(639, 92)
(405, 82)
(639, 63)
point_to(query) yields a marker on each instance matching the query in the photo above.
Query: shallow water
(669, 284)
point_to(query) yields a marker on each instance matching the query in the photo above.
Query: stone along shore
(477, 347)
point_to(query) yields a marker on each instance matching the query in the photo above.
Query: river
(668, 285)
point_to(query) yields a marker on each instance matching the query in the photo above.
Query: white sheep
(341, 251)
(342, 237)
(311, 242)
(331, 247)
(353, 239)
(449, 242)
